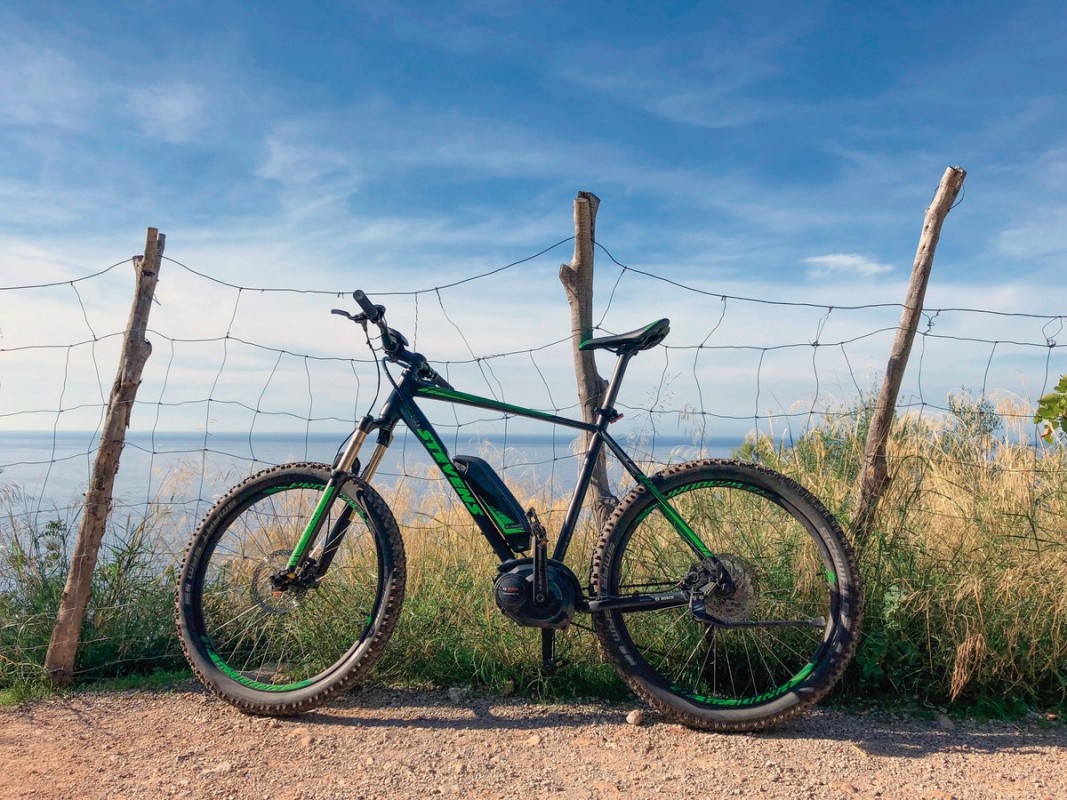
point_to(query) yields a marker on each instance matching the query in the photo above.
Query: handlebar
(376, 314)
(393, 342)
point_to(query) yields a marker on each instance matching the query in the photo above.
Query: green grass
(128, 628)
(965, 577)
(965, 573)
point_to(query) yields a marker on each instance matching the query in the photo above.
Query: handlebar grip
(374, 313)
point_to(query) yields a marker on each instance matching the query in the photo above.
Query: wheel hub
(739, 604)
(270, 590)
(726, 590)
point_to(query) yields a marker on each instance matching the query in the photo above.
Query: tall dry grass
(451, 632)
(965, 574)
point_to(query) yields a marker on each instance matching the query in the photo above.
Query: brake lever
(359, 319)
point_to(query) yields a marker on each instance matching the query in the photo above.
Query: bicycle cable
(378, 366)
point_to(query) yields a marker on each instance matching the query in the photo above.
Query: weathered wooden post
(874, 477)
(59, 662)
(577, 280)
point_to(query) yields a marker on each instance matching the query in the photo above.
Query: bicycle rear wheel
(741, 657)
(283, 652)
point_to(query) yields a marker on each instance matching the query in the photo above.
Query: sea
(47, 472)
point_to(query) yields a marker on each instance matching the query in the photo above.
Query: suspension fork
(344, 467)
(341, 472)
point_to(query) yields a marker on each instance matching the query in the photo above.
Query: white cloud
(169, 112)
(291, 159)
(1041, 236)
(849, 263)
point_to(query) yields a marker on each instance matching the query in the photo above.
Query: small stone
(460, 769)
(944, 721)
(304, 736)
(457, 694)
(534, 740)
(636, 717)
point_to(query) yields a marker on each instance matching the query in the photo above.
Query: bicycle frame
(401, 405)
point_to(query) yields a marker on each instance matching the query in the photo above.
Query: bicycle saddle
(632, 342)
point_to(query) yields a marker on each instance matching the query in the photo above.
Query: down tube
(427, 436)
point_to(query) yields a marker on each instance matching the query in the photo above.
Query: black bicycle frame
(400, 405)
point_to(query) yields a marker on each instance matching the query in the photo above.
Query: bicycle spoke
(742, 644)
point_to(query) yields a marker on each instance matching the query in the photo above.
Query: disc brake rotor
(263, 593)
(740, 604)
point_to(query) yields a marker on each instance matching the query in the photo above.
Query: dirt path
(388, 744)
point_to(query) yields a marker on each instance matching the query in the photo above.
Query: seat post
(614, 385)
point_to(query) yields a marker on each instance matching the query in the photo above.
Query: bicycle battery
(496, 499)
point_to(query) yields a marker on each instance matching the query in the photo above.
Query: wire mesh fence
(245, 376)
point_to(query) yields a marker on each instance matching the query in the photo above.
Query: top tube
(462, 398)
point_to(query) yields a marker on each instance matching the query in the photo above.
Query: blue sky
(776, 150)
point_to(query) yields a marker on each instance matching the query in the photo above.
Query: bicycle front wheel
(281, 652)
(739, 655)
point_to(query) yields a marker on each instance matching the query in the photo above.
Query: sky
(779, 151)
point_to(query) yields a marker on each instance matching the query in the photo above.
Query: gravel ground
(394, 744)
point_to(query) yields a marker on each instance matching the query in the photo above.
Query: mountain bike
(723, 593)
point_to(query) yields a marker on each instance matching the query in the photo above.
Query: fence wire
(242, 377)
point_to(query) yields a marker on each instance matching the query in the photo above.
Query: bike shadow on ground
(871, 734)
(385, 708)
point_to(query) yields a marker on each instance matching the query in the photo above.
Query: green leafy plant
(1052, 411)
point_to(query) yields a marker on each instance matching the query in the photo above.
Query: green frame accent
(462, 398)
(750, 701)
(216, 659)
(676, 520)
(325, 501)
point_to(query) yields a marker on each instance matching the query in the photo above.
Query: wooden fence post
(577, 280)
(874, 477)
(59, 662)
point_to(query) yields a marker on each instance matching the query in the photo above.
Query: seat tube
(595, 448)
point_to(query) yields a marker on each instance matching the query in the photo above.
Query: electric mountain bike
(723, 593)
